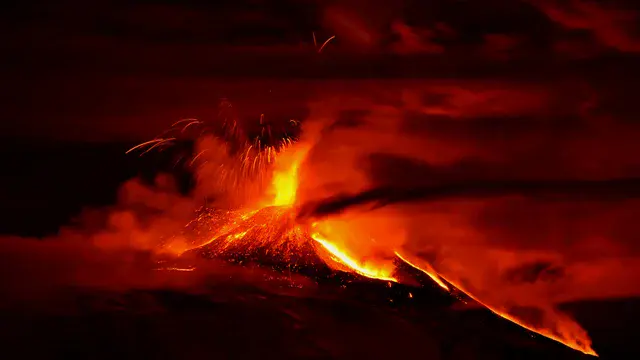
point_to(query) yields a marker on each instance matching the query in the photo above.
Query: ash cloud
(130, 245)
(111, 248)
(524, 193)
(612, 24)
(500, 31)
(619, 189)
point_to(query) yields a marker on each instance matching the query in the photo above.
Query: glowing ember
(269, 233)
(189, 269)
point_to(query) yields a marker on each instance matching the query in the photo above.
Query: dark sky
(112, 70)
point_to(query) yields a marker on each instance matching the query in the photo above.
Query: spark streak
(154, 141)
(196, 157)
(325, 43)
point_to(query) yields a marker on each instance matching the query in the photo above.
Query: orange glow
(284, 184)
(427, 269)
(342, 258)
(189, 269)
(271, 228)
(566, 336)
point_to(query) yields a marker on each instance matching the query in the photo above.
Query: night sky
(108, 70)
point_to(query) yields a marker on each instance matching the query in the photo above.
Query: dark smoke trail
(558, 190)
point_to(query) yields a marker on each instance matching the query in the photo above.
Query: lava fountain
(270, 231)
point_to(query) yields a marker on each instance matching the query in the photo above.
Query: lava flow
(269, 232)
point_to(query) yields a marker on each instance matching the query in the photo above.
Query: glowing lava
(271, 231)
(284, 184)
(427, 269)
(341, 257)
(569, 334)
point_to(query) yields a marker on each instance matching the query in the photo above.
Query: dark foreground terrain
(240, 320)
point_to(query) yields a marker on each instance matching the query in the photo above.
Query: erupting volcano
(267, 229)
